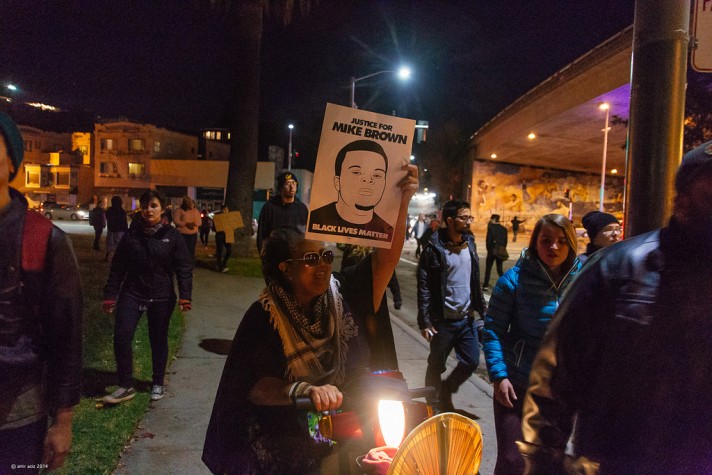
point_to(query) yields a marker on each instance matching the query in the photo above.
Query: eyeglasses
(467, 219)
(610, 232)
(312, 259)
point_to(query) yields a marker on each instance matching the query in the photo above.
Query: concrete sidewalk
(170, 437)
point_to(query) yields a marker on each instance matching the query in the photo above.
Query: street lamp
(606, 107)
(289, 159)
(403, 73)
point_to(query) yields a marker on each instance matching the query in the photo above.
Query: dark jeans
(221, 245)
(514, 235)
(508, 426)
(128, 312)
(462, 336)
(204, 236)
(22, 446)
(418, 246)
(488, 267)
(97, 236)
(190, 241)
(395, 289)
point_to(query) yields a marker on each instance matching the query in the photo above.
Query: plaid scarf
(150, 230)
(315, 350)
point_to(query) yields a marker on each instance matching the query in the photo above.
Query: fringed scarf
(315, 349)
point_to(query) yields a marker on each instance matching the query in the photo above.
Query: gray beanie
(692, 163)
(14, 142)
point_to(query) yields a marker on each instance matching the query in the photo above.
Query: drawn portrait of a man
(360, 171)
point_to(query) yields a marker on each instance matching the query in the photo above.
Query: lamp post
(403, 73)
(606, 107)
(289, 154)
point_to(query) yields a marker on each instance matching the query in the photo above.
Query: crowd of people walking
(608, 348)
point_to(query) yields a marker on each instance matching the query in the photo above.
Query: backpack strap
(35, 237)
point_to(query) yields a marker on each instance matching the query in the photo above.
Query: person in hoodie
(116, 225)
(523, 303)
(283, 209)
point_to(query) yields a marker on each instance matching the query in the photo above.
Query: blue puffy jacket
(522, 304)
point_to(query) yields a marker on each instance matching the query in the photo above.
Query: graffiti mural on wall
(529, 193)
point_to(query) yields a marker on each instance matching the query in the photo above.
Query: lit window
(218, 135)
(136, 145)
(137, 169)
(107, 144)
(33, 177)
(84, 150)
(156, 146)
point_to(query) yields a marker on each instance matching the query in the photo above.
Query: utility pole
(657, 111)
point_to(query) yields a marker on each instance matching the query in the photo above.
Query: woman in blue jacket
(522, 304)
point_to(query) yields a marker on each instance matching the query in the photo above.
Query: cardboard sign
(355, 195)
(228, 222)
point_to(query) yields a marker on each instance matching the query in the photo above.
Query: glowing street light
(12, 87)
(606, 107)
(289, 155)
(403, 73)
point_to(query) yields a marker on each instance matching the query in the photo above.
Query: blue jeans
(128, 312)
(462, 336)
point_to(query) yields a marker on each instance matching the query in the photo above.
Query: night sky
(170, 63)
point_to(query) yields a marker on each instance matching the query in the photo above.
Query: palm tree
(248, 16)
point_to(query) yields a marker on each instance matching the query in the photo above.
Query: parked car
(57, 211)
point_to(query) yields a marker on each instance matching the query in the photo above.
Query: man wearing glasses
(451, 305)
(603, 229)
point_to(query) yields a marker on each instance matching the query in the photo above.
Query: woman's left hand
(326, 397)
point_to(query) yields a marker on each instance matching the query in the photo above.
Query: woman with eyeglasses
(603, 230)
(522, 305)
(308, 333)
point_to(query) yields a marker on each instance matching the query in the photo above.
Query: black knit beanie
(595, 221)
(13, 141)
(283, 177)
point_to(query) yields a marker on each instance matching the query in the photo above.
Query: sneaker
(157, 392)
(397, 305)
(485, 288)
(120, 395)
(224, 269)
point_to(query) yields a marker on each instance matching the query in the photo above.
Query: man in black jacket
(283, 209)
(40, 326)
(451, 306)
(628, 353)
(496, 242)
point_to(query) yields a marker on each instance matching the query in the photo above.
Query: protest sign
(355, 194)
(228, 222)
